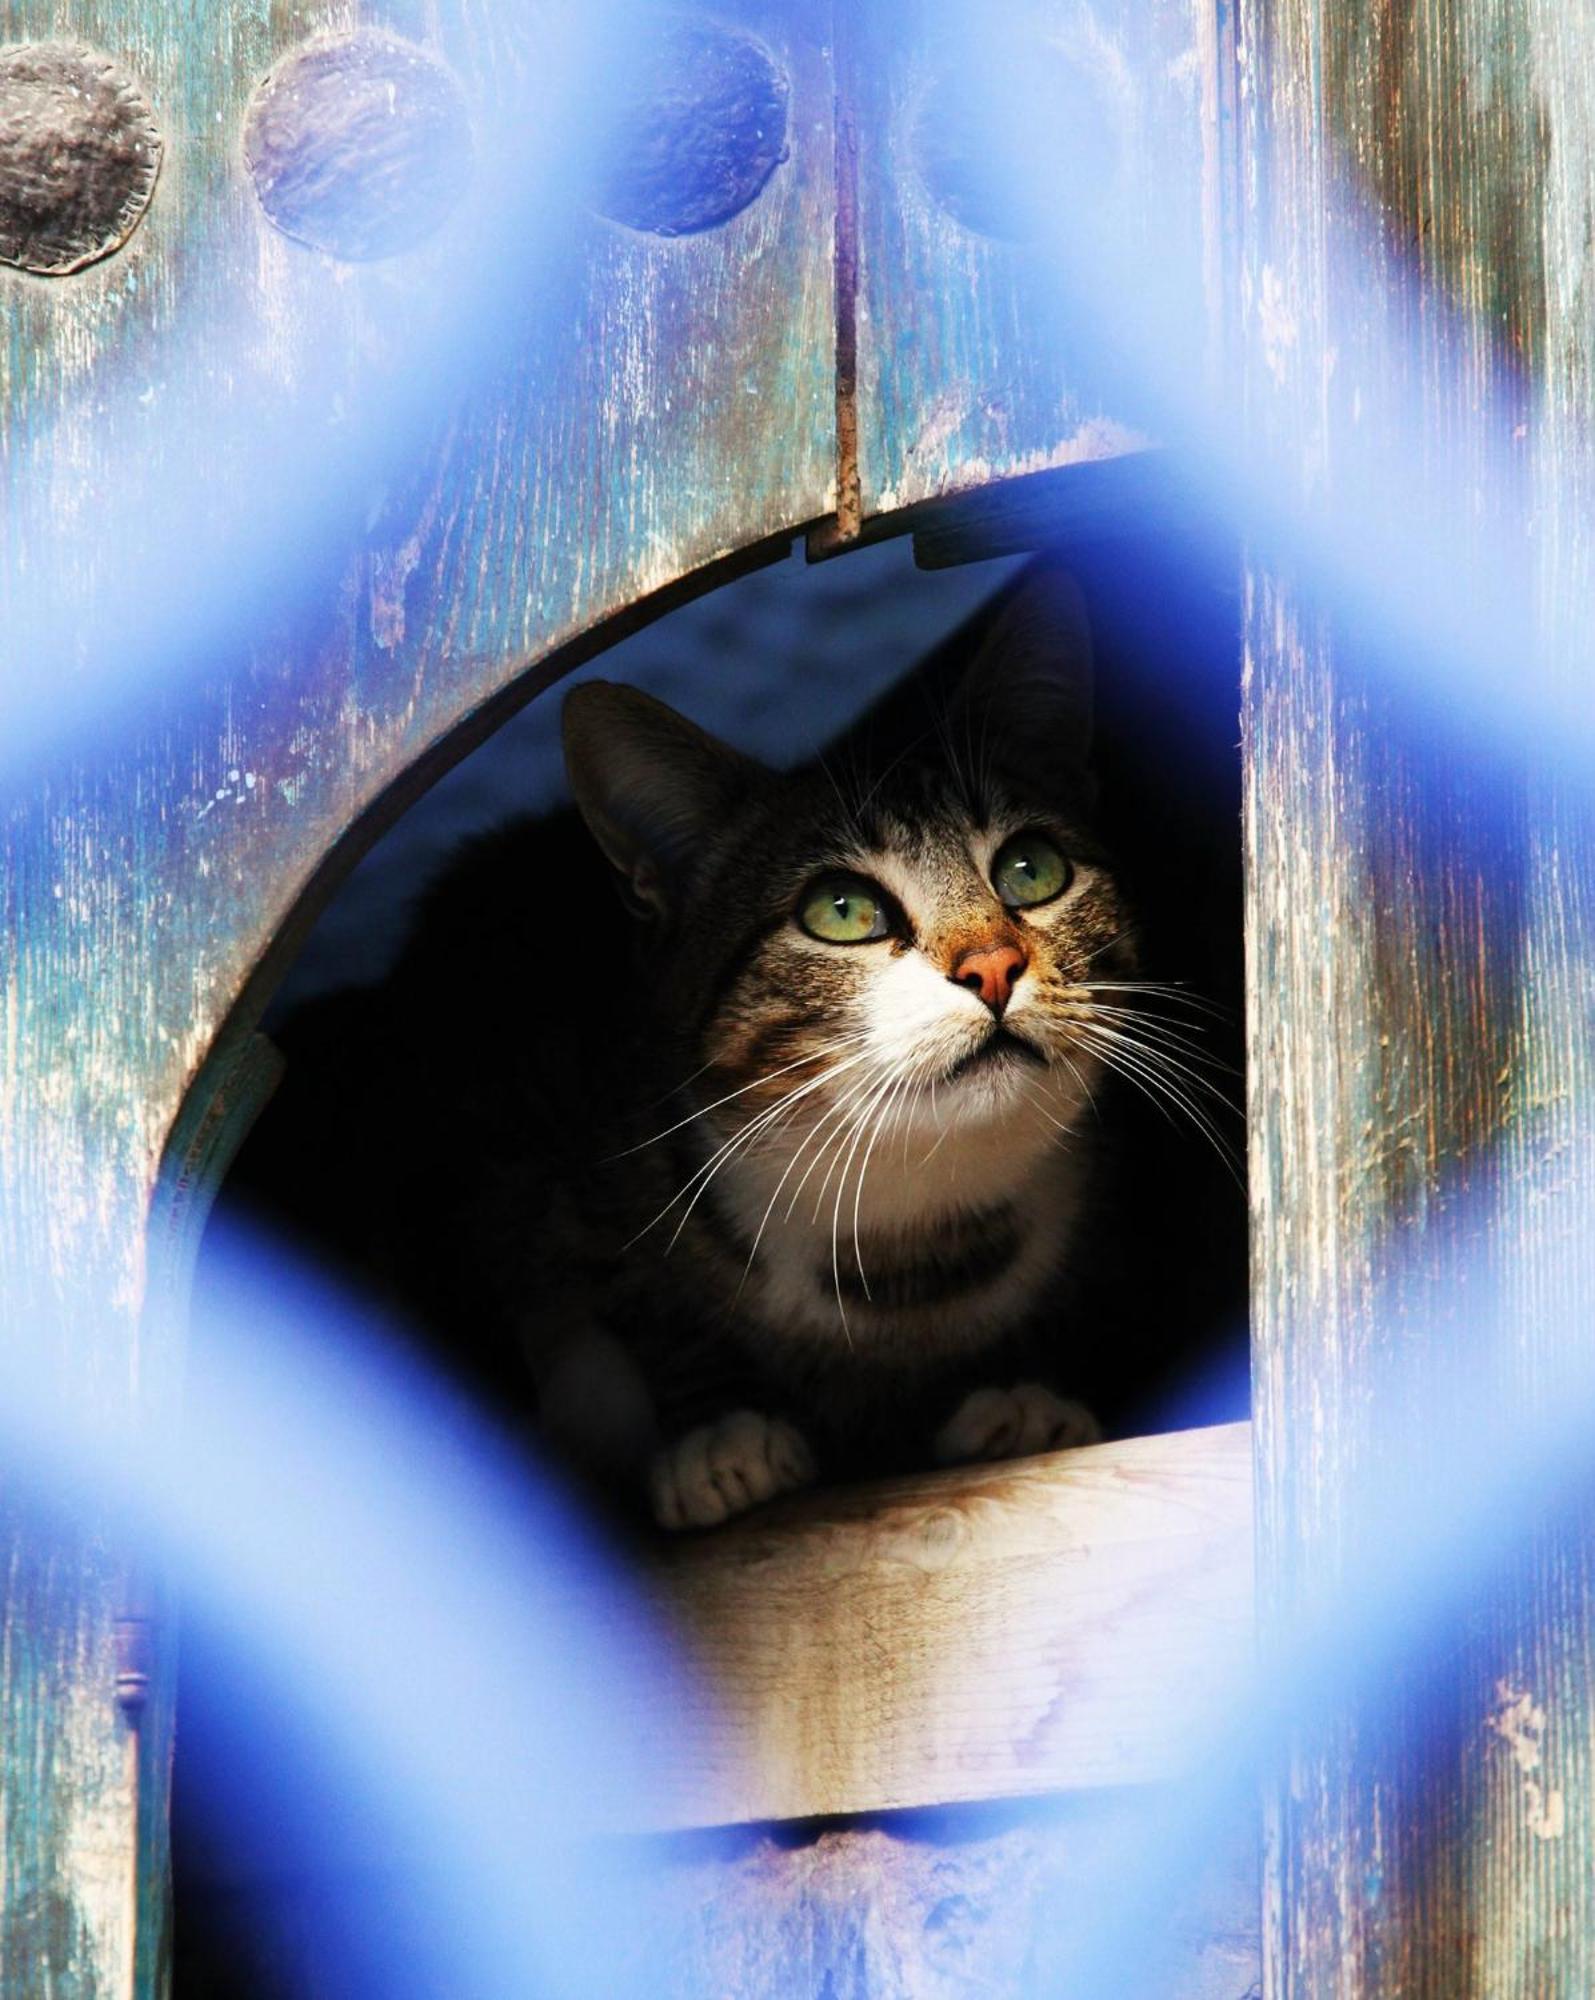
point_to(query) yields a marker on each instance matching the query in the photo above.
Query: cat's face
(921, 960)
(897, 946)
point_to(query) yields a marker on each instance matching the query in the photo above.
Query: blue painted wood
(391, 495)
(601, 420)
(1422, 955)
(984, 138)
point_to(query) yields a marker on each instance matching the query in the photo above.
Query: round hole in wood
(358, 145)
(697, 125)
(79, 156)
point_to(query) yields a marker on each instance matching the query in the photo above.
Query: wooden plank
(1050, 1625)
(993, 1901)
(970, 365)
(1420, 195)
(990, 1903)
(1047, 1639)
(616, 414)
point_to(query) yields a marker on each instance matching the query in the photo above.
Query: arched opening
(777, 662)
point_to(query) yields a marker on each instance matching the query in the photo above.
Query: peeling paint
(1519, 1722)
(684, 406)
(1277, 327)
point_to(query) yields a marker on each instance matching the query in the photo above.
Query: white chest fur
(994, 1201)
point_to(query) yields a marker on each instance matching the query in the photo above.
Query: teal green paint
(138, 905)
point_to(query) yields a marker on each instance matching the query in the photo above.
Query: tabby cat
(757, 1110)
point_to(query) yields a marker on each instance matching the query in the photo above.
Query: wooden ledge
(995, 1632)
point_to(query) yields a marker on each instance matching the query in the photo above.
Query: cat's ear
(650, 784)
(1029, 686)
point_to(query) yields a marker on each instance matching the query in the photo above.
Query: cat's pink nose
(991, 972)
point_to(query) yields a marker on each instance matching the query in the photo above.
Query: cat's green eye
(843, 909)
(1028, 870)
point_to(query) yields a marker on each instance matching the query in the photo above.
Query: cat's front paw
(726, 1467)
(1013, 1423)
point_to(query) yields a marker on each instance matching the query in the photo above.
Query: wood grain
(1045, 1638)
(1421, 930)
(990, 1902)
(971, 364)
(572, 438)
(1049, 1625)
(994, 1904)
(594, 423)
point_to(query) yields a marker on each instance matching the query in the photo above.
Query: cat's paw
(1013, 1423)
(726, 1467)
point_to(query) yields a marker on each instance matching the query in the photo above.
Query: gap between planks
(1048, 1625)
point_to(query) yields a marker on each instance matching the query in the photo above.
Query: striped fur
(723, 1166)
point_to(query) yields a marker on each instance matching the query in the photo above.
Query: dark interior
(785, 656)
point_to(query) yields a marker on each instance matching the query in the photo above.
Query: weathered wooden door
(1416, 286)
(328, 419)
(288, 322)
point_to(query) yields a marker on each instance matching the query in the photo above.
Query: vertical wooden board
(68, 1789)
(971, 363)
(659, 402)
(595, 422)
(1421, 1088)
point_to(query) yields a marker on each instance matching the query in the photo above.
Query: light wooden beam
(1001, 1631)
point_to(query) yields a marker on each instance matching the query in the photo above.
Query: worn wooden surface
(974, 130)
(601, 420)
(1051, 1625)
(1047, 1639)
(958, 1906)
(1422, 928)
(996, 1906)
(651, 405)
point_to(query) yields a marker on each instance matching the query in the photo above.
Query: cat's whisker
(1145, 1014)
(909, 1100)
(1033, 1098)
(1139, 1066)
(864, 1119)
(791, 1167)
(745, 1133)
(1162, 1095)
(1123, 933)
(891, 765)
(1079, 1076)
(759, 1128)
(856, 1133)
(841, 797)
(1158, 1062)
(905, 1078)
(942, 1129)
(846, 1126)
(836, 1216)
(668, 1096)
(1166, 990)
(763, 1121)
(832, 1147)
(813, 1055)
(1167, 1034)
(1168, 1058)
(705, 1173)
(842, 1112)
(928, 1073)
